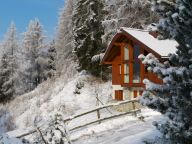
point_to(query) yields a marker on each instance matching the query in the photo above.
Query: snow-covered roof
(162, 47)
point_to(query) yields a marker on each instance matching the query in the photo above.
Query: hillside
(50, 82)
(49, 97)
(39, 104)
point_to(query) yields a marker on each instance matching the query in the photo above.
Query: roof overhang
(117, 35)
(124, 32)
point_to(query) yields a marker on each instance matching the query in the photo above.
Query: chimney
(154, 33)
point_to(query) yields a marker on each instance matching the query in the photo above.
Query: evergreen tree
(126, 13)
(33, 44)
(6, 83)
(51, 66)
(174, 97)
(9, 64)
(88, 30)
(65, 41)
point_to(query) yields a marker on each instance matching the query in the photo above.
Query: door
(118, 95)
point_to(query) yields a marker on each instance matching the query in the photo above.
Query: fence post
(98, 113)
(133, 104)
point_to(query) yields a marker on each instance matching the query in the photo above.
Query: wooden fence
(66, 120)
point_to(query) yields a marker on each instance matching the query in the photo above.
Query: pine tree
(6, 83)
(33, 44)
(9, 65)
(64, 41)
(126, 13)
(51, 66)
(88, 30)
(174, 97)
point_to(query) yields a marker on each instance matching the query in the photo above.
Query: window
(136, 72)
(136, 64)
(118, 94)
(126, 53)
(131, 64)
(145, 54)
(126, 73)
(136, 51)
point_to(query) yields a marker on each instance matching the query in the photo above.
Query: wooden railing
(67, 120)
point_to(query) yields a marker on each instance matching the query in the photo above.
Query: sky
(22, 11)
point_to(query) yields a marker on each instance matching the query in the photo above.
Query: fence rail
(106, 118)
(99, 108)
(134, 111)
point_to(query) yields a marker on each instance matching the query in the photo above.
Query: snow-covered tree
(57, 132)
(88, 30)
(64, 41)
(33, 45)
(51, 66)
(174, 97)
(9, 64)
(126, 13)
(6, 81)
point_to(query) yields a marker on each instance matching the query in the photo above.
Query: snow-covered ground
(123, 130)
(5, 139)
(36, 106)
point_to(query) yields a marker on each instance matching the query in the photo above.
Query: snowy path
(129, 132)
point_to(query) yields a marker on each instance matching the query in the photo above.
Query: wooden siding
(116, 76)
(116, 58)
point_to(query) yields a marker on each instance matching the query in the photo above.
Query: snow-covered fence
(66, 120)
(106, 118)
(100, 108)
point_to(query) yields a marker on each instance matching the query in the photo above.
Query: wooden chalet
(127, 70)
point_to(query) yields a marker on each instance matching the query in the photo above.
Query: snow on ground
(123, 130)
(36, 106)
(5, 139)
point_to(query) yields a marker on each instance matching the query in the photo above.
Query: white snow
(5, 139)
(42, 102)
(50, 96)
(20, 132)
(162, 47)
(123, 130)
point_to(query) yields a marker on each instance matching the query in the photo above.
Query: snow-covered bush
(57, 132)
(174, 97)
(79, 85)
